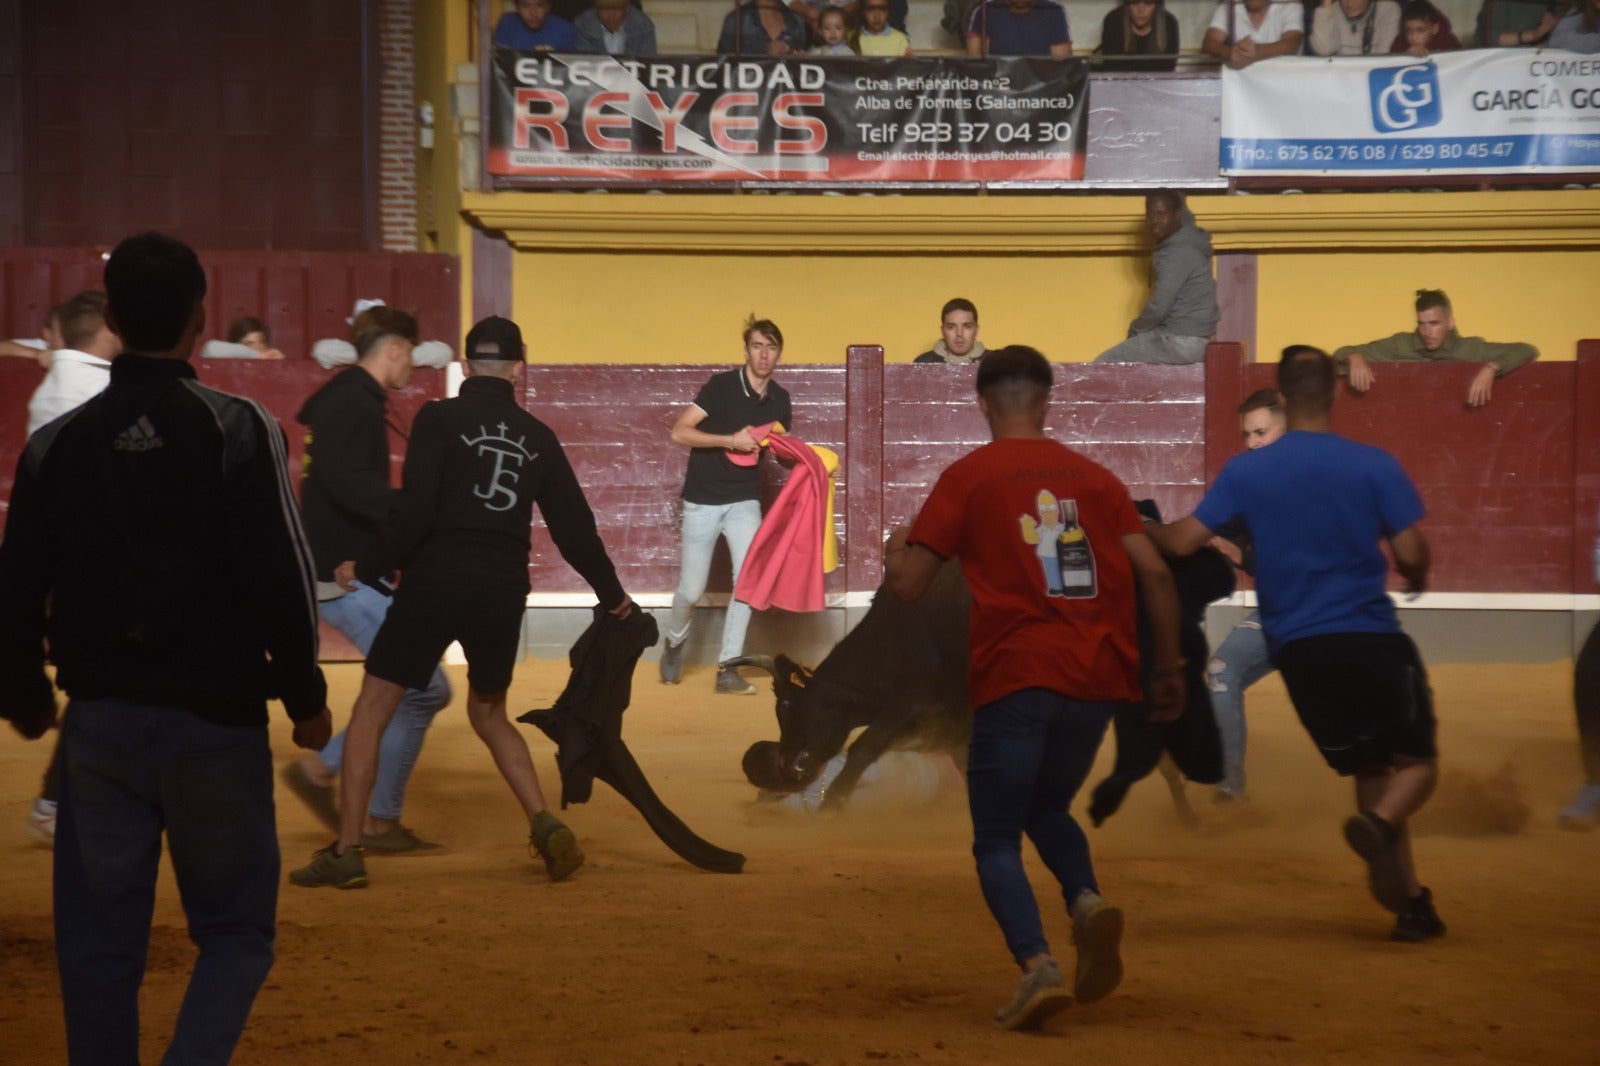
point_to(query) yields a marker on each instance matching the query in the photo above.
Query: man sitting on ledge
(1181, 315)
(1435, 340)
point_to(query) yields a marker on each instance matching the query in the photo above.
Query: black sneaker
(1374, 839)
(672, 662)
(1419, 921)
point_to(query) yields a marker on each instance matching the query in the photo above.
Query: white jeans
(702, 524)
(1157, 346)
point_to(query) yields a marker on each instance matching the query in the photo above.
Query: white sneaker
(42, 821)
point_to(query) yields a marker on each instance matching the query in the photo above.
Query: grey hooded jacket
(1183, 296)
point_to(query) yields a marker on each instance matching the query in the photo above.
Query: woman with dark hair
(762, 27)
(1139, 28)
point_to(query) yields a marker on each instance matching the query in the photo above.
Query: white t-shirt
(74, 377)
(1280, 19)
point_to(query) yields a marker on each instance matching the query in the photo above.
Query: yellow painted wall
(1546, 298)
(664, 308)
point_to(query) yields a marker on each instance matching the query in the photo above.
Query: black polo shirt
(731, 404)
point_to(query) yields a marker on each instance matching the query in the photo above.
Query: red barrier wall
(1511, 488)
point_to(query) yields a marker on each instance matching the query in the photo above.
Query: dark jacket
(154, 542)
(344, 489)
(475, 467)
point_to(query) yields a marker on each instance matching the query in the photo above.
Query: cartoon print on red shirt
(1062, 546)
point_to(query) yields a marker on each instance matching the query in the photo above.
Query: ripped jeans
(1238, 663)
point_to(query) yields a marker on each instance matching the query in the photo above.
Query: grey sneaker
(1041, 995)
(1097, 932)
(1581, 814)
(553, 842)
(1374, 840)
(729, 683)
(328, 870)
(672, 662)
(42, 821)
(319, 798)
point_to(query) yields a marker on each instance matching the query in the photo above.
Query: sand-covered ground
(862, 938)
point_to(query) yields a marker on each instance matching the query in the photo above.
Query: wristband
(1174, 667)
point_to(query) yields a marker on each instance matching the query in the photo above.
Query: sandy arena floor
(857, 939)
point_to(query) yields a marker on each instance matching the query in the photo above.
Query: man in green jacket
(1435, 340)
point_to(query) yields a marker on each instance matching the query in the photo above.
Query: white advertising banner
(1490, 111)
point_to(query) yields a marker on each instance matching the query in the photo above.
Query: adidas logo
(139, 437)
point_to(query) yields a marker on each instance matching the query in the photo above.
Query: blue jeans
(131, 771)
(702, 524)
(1031, 752)
(358, 615)
(1238, 663)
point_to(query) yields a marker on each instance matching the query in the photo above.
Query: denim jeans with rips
(358, 615)
(1240, 661)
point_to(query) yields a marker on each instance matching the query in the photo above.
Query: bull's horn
(763, 662)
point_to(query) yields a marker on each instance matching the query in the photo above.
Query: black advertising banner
(832, 119)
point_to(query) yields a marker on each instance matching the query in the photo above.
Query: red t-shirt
(1039, 529)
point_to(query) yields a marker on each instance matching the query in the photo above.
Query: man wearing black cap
(459, 532)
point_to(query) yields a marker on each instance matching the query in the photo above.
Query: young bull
(901, 673)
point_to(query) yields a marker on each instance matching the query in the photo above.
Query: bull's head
(812, 727)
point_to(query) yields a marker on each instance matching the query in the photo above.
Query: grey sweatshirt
(1183, 295)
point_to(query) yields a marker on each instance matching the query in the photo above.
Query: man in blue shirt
(1018, 28)
(1317, 506)
(531, 28)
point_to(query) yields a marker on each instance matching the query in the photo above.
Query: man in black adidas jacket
(153, 541)
(460, 535)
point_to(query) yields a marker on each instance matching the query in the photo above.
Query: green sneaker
(553, 842)
(328, 870)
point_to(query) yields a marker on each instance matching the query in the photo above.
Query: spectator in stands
(876, 37)
(334, 351)
(1245, 31)
(1579, 28)
(40, 350)
(812, 10)
(248, 338)
(958, 322)
(532, 28)
(1435, 340)
(1354, 27)
(832, 32)
(614, 27)
(762, 27)
(81, 368)
(1139, 28)
(1181, 314)
(1510, 23)
(1018, 28)
(1424, 29)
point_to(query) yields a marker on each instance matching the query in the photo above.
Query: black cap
(495, 338)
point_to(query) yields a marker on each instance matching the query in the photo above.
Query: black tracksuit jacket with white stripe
(154, 542)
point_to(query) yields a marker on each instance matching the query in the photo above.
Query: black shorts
(1363, 697)
(422, 622)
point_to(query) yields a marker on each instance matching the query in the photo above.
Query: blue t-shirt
(1317, 506)
(554, 36)
(1030, 33)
